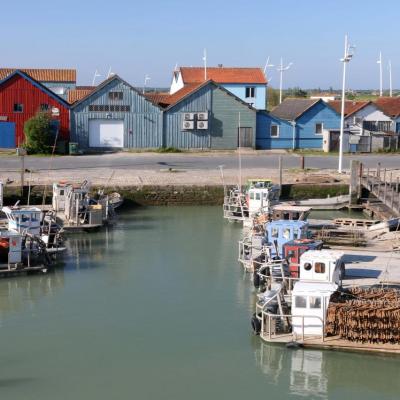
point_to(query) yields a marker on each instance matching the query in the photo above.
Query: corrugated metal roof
(43, 75)
(350, 107)
(223, 75)
(389, 105)
(78, 94)
(291, 109)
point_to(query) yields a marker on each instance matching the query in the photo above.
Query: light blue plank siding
(174, 135)
(304, 134)
(142, 125)
(239, 90)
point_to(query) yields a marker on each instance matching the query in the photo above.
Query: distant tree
(272, 98)
(38, 133)
(350, 96)
(296, 92)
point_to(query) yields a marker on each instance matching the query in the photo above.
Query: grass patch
(168, 150)
(312, 152)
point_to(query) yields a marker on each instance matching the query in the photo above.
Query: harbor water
(157, 307)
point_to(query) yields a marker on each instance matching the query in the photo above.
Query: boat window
(286, 216)
(258, 197)
(319, 267)
(295, 232)
(307, 266)
(286, 233)
(62, 192)
(251, 195)
(275, 232)
(291, 254)
(315, 302)
(295, 216)
(300, 301)
(24, 218)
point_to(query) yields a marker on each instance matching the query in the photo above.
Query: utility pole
(346, 58)
(281, 70)
(390, 79)
(146, 79)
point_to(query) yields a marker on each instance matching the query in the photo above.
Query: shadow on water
(328, 374)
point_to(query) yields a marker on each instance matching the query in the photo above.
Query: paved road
(155, 161)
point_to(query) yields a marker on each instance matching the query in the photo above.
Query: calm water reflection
(158, 308)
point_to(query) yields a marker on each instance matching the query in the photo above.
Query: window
(315, 302)
(274, 130)
(295, 232)
(258, 196)
(62, 192)
(44, 107)
(109, 108)
(300, 301)
(115, 95)
(250, 91)
(307, 266)
(286, 233)
(275, 232)
(319, 126)
(18, 107)
(319, 267)
(292, 255)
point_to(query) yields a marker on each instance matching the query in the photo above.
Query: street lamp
(348, 54)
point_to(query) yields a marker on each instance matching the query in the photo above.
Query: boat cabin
(10, 248)
(23, 219)
(278, 233)
(322, 266)
(60, 190)
(293, 250)
(310, 302)
(289, 212)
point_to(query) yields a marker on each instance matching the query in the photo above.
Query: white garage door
(106, 133)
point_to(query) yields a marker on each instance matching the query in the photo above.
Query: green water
(158, 308)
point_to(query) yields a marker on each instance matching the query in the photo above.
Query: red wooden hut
(22, 97)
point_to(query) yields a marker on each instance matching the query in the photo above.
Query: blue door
(7, 135)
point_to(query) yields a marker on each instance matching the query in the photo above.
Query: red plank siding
(20, 90)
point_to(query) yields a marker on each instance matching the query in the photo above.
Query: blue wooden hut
(296, 124)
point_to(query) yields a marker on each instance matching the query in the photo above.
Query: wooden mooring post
(355, 181)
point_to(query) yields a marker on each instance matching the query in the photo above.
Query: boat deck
(333, 343)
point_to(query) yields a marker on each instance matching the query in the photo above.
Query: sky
(136, 38)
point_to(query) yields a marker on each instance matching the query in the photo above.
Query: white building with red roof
(249, 84)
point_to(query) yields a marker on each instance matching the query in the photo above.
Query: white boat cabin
(310, 302)
(23, 219)
(10, 248)
(322, 266)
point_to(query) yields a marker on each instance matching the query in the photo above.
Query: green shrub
(38, 133)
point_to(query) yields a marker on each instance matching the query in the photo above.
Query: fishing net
(365, 315)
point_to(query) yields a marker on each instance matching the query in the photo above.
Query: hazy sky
(139, 37)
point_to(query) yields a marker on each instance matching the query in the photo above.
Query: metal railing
(266, 322)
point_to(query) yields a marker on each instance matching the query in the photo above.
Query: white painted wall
(368, 113)
(177, 84)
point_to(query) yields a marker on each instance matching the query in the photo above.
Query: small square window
(18, 107)
(300, 301)
(275, 232)
(274, 131)
(319, 126)
(315, 302)
(44, 107)
(115, 95)
(250, 92)
(319, 267)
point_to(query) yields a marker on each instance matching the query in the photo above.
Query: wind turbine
(205, 63)
(281, 69)
(267, 65)
(380, 74)
(96, 75)
(146, 79)
(109, 72)
(390, 78)
(348, 55)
